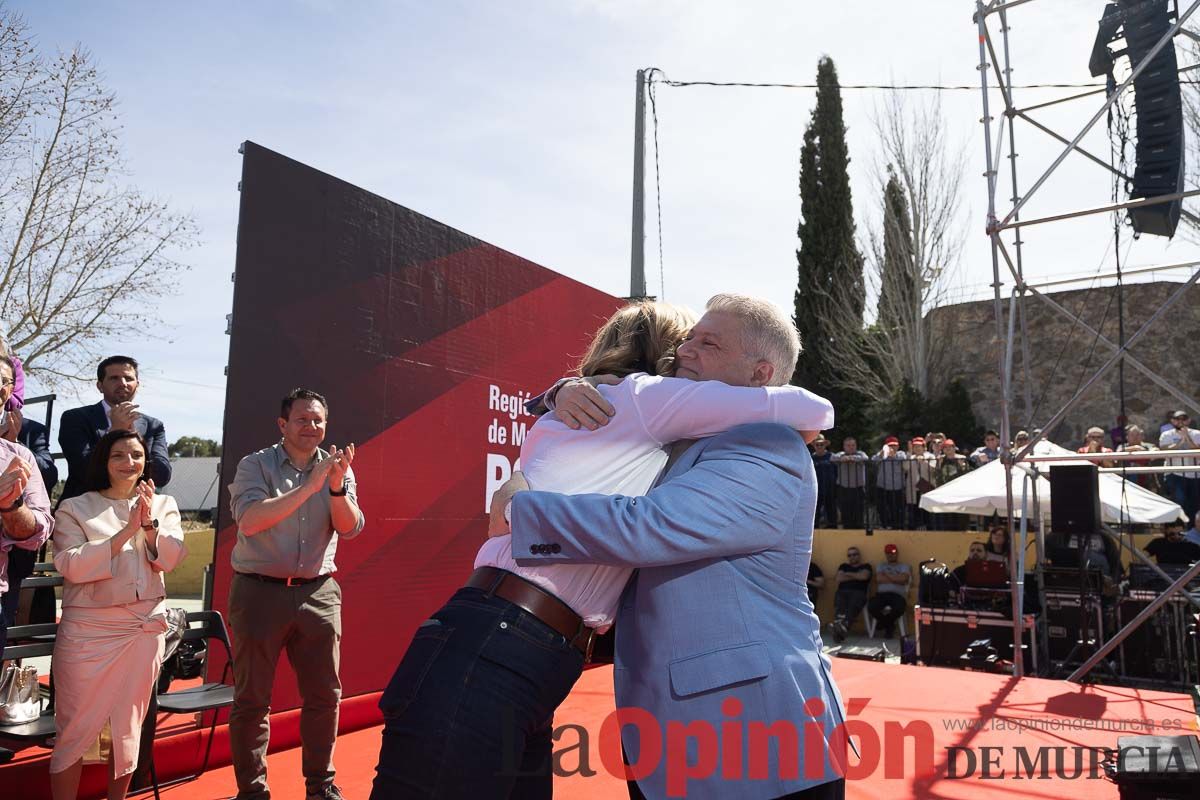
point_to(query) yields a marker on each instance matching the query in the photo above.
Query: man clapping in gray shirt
(292, 502)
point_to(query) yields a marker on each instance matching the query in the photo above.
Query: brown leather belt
(284, 581)
(538, 602)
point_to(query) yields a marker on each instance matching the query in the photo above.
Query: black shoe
(328, 792)
(839, 631)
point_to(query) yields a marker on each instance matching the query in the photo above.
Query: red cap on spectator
(891, 440)
(947, 442)
(891, 548)
(917, 440)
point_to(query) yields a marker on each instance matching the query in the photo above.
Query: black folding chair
(208, 696)
(31, 641)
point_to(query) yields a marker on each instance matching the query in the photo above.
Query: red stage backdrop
(425, 341)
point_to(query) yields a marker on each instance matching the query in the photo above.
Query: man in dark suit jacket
(81, 428)
(36, 437)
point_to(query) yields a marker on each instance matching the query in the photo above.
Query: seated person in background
(997, 547)
(853, 579)
(976, 552)
(1172, 547)
(1094, 443)
(816, 579)
(891, 590)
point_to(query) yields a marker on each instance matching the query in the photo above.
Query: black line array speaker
(1159, 164)
(1074, 498)
(1159, 156)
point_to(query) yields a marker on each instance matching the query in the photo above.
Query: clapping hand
(124, 415)
(339, 465)
(145, 504)
(13, 481)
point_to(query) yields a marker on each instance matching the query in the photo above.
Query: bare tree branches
(82, 258)
(913, 248)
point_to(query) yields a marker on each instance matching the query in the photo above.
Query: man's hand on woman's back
(579, 404)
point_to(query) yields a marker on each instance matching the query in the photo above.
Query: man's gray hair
(767, 333)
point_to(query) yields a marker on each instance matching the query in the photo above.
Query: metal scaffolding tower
(995, 63)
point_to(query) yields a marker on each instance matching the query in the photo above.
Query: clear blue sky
(512, 121)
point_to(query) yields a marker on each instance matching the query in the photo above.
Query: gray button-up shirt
(301, 545)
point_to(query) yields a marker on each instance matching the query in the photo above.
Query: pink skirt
(105, 665)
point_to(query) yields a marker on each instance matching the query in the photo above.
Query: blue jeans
(469, 711)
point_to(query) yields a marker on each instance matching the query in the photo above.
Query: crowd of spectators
(858, 490)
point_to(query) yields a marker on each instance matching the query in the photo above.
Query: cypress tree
(900, 286)
(830, 269)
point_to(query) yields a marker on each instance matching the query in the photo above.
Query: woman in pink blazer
(112, 544)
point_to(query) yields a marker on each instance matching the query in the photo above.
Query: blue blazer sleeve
(158, 463)
(740, 497)
(36, 437)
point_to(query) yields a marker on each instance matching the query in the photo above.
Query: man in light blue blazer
(716, 637)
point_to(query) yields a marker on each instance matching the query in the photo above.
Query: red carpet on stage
(1027, 722)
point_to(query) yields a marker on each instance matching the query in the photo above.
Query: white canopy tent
(982, 491)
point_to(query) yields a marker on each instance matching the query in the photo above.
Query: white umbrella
(981, 491)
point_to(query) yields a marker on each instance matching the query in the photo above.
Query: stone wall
(1063, 356)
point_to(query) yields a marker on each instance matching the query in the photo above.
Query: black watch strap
(20, 501)
(342, 493)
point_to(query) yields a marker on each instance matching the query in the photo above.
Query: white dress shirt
(626, 457)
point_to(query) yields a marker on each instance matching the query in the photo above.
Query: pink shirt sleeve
(674, 408)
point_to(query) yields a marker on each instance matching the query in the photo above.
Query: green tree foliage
(193, 447)
(900, 284)
(955, 416)
(906, 413)
(829, 265)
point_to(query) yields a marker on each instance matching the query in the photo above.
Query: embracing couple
(686, 519)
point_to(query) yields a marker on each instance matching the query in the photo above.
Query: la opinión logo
(737, 749)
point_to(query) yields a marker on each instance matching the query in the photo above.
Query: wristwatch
(342, 493)
(152, 525)
(20, 501)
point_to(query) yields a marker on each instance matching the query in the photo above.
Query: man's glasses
(6, 382)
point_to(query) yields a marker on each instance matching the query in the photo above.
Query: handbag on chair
(20, 698)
